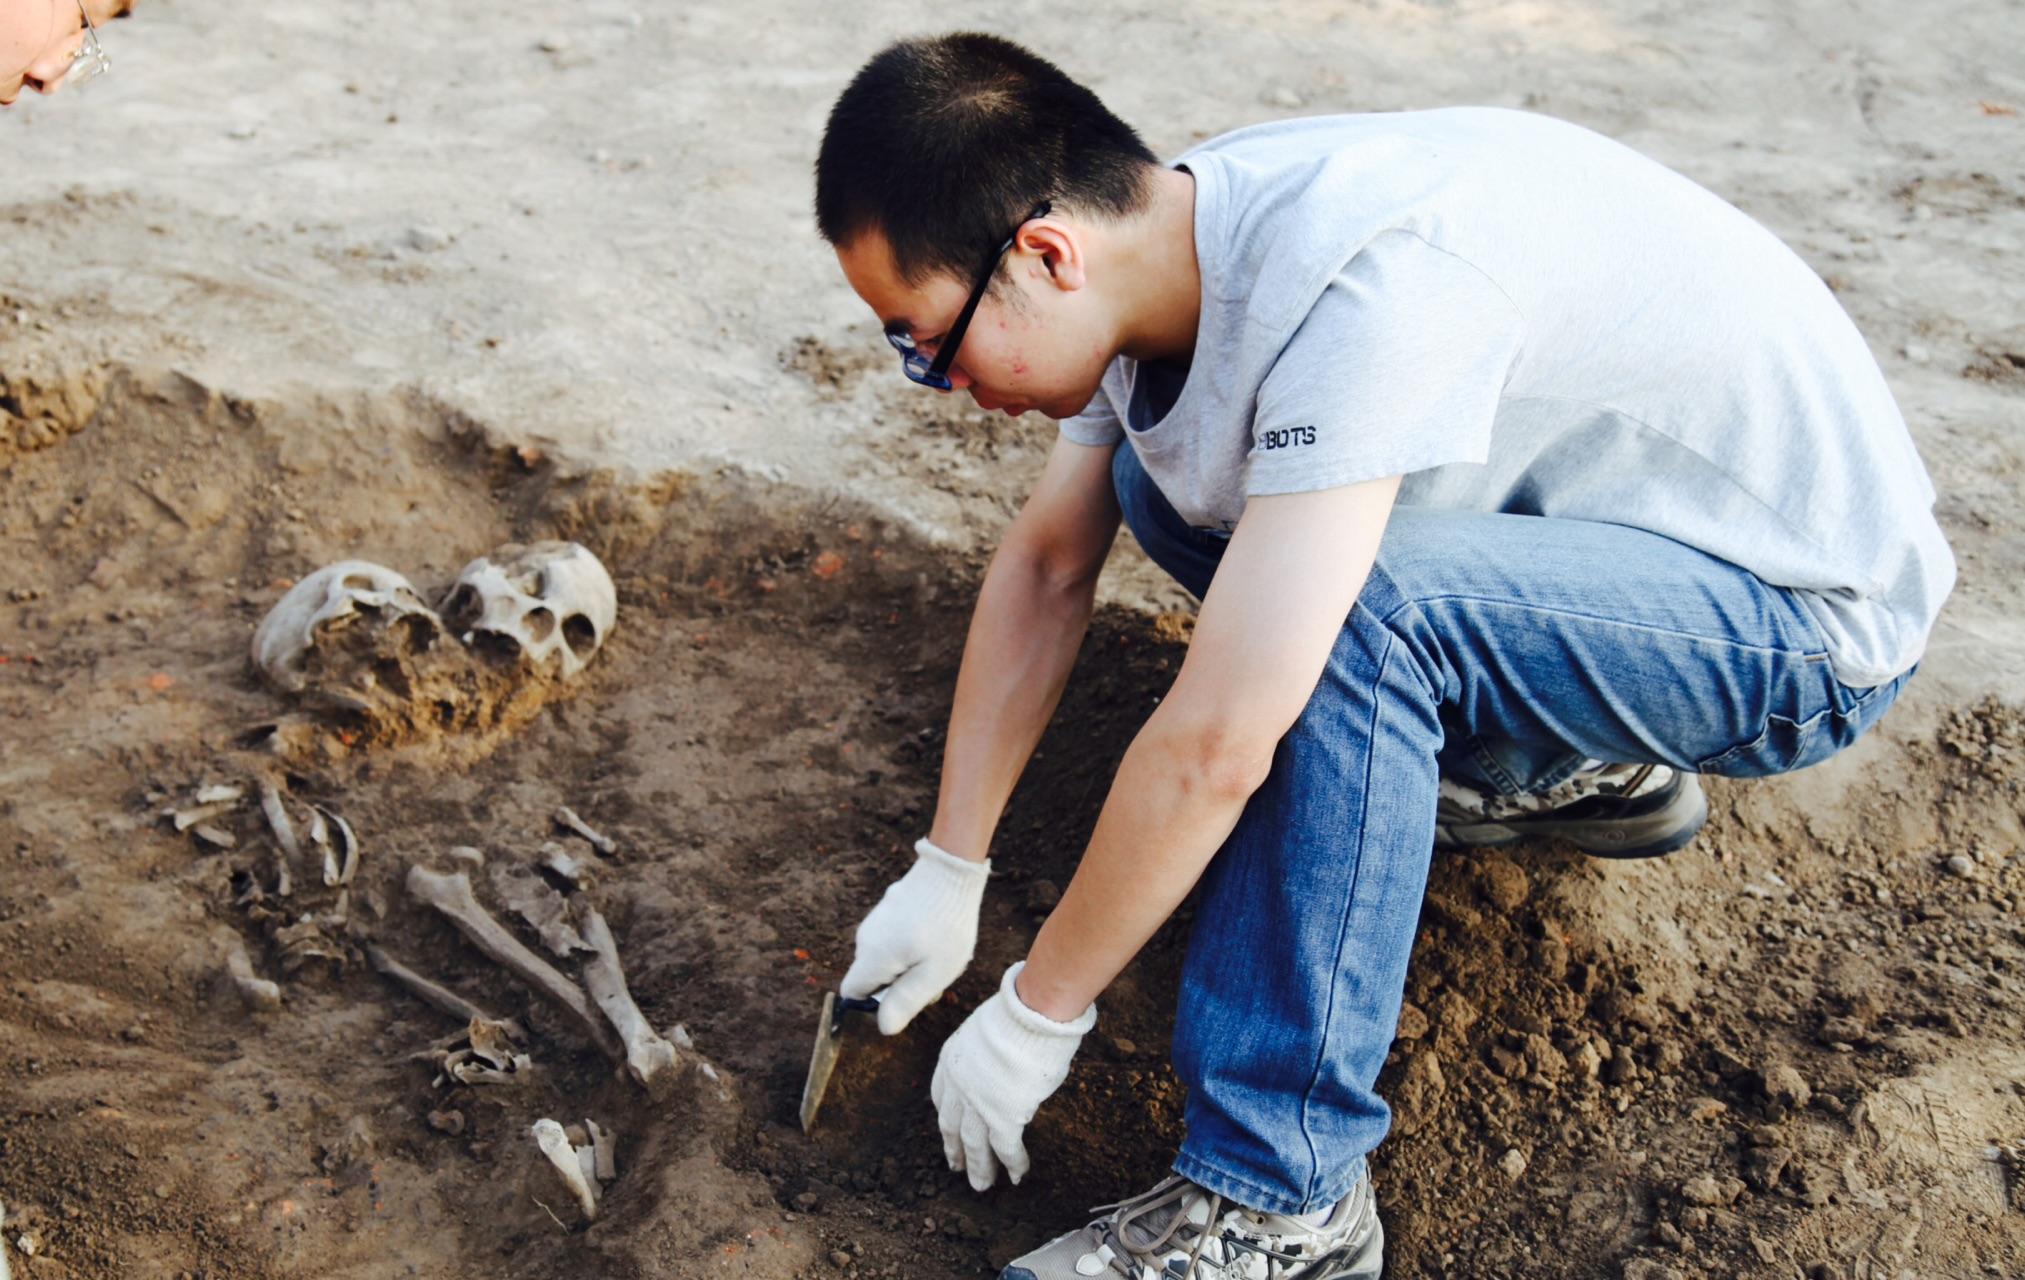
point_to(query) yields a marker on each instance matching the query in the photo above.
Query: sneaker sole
(1646, 836)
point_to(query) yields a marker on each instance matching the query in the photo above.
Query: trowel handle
(851, 1004)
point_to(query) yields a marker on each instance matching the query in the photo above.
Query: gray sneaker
(1614, 810)
(1164, 1235)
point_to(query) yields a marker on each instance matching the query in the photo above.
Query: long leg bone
(451, 895)
(555, 1144)
(647, 1054)
(567, 819)
(258, 992)
(437, 996)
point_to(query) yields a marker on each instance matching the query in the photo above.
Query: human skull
(543, 602)
(335, 598)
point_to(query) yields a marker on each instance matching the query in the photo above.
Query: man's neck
(1160, 285)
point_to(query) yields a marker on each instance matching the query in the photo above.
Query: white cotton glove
(920, 936)
(997, 1069)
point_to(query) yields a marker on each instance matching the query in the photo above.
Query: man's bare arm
(1030, 619)
(1286, 584)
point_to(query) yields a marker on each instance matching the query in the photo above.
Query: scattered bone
(327, 602)
(566, 818)
(435, 995)
(221, 793)
(305, 941)
(562, 863)
(215, 836)
(547, 603)
(490, 1058)
(450, 1121)
(284, 885)
(528, 896)
(277, 818)
(680, 1035)
(604, 1165)
(201, 813)
(556, 1146)
(342, 863)
(468, 856)
(451, 895)
(647, 1054)
(259, 993)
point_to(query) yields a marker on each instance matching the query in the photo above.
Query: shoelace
(1114, 1232)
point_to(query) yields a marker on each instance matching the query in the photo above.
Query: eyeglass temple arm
(944, 357)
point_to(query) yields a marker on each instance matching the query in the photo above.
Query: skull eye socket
(460, 610)
(540, 623)
(580, 634)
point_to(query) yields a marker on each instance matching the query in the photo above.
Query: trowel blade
(823, 1058)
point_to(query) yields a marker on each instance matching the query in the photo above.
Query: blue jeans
(1507, 648)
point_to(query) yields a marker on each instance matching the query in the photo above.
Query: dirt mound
(1791, 1049)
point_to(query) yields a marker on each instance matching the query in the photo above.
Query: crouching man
(1521, 480)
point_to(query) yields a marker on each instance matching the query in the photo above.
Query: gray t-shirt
(1520, 315)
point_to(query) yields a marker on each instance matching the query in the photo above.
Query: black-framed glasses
(935, 373)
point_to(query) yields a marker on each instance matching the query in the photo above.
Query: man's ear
(1057, 248)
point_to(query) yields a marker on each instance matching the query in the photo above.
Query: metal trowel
(829, 1039)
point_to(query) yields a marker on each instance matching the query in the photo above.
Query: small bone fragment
(451, 895)
(468, 856)
(603, 1162)
(223, 792)
(304, 941)
(564, 864)
(647, 1054)
(217, 836)
(566, 818)
(258, 992)
(528, 896)
(490, 1059)
(319, 836)
(450, 1121)
(187, 818)
(342, 863)
(277, 818)
(437, 996)
(283, 883)
(563, 1156)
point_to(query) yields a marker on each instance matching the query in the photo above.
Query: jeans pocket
(1785, 745)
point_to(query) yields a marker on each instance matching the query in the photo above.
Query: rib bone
(451, 895)
(555, 1144)
(342, 863)
(647, 1054)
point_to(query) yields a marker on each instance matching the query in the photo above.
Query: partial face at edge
(1039, 353)
(38, 38)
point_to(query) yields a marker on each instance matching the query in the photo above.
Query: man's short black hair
(944, 144)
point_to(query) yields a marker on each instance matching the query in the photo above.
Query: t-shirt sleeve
(1397, 368)
(1097, 425)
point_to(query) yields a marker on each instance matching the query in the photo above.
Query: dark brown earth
(1793, 1049)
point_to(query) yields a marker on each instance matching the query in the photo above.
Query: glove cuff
(927, 850)
(1039, 1024)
